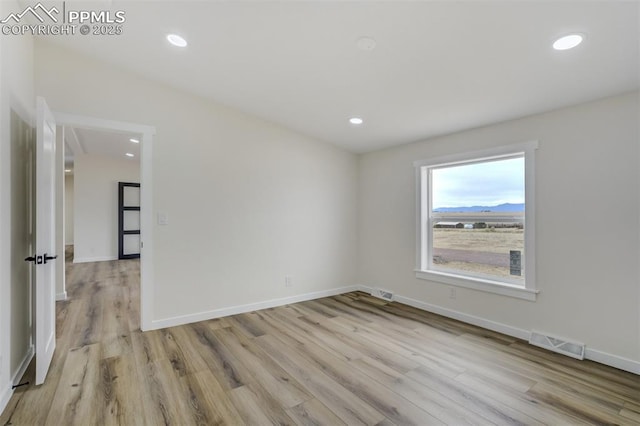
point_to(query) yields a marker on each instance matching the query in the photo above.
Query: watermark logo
(38, 10)
(68, 22)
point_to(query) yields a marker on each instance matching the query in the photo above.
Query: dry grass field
(484, 251)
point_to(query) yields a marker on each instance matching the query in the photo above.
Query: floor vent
(382, 294)
(557, 344)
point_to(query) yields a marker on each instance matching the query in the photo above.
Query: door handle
(38, 260)
(46, 257)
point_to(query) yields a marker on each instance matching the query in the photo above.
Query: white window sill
(479, 284)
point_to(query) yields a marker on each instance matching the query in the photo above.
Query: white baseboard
(94, 259)
(241, 309)
(612, 360)
(5, 396)
(7, 392)
(591, 354)
(61, 296)
(470, 319)
(23, 366)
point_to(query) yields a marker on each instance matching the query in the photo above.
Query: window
(476, 220)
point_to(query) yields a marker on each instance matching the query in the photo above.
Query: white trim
(481, 155)
(424, 263)
(479, 284)
(250, 307)
(73, 142)
(61, 296)
(612, 360)
(470, 319)
(421, 209)
(146, 201)
(591, 354)
(6, 395)
(23, 365)
(94, 259)
(147, 289)
(65, 119)
(26, 114)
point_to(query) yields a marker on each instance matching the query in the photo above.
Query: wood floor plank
(574, 406)
(248, 323)
(197, 408)
(341, 310)
(255, 407)
(631, 411)
(390, 404)
(180, 353)
(76, 397)
(313, 412)
(266, 372)
(537, 368)
(219, 359)
(381, 353)
(371, 336)
(89, 324)
(349, 407)
(147, 346)
(433, 402)
(162, 403)
(118, 381)
(491, 409)
(213, 399)
(533, 408)
(338, 344)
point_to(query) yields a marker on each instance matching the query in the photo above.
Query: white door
(45, 268)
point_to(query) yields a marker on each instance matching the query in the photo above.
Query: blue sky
(483, 184)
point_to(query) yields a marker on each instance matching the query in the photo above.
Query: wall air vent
(382, 294)
(557, 344)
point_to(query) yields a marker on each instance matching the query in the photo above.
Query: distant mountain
(502, 208)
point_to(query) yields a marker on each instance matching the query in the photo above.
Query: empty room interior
(346, 212)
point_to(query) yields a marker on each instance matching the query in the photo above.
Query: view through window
(477, 219)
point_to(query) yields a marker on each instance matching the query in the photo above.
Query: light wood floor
(349, 359)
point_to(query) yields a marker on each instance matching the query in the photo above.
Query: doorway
(135, 139)
(96, 161)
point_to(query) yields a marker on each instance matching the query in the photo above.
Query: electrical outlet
(288, 281)
(452, 293)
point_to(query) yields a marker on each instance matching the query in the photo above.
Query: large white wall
(95, 204)
(16, 119)
(587, 209)
(248, 202)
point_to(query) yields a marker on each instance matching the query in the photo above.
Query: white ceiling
(439, 67)
(98, 142)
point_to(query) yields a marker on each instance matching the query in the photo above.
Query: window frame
(425, 219)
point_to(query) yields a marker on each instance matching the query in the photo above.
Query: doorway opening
(98, 155)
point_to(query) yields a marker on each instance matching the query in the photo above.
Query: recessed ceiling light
(568, 42)
(176, 40)
(134, 140)
(356, 120)
(128, 154)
